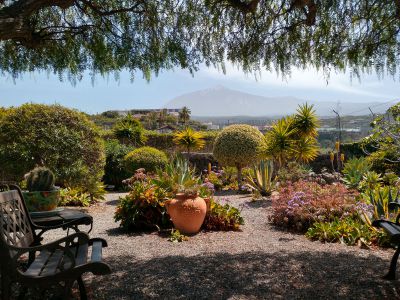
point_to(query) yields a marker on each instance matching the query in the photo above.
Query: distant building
(211, 126)
(170, 111)
(166, 129)
(334, 129)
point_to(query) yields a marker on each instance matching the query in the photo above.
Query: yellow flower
(342, 157)
(337, 146)
(332, 156)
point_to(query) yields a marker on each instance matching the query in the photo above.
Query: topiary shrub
(63, 140)
(239, 146)
(145, 157)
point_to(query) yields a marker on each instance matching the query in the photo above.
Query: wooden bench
(393, 230)
(62, 261)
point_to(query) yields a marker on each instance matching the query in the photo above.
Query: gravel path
(259, 262)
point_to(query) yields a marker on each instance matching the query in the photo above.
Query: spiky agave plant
(261, 179)
(189, 139)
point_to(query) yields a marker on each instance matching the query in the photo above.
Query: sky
(107, 94)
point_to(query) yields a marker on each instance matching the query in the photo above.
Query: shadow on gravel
(249, 275)
(231, 193)
(112, 202)
(117, 231)
(258, 203)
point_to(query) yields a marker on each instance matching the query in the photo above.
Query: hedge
(164, 141)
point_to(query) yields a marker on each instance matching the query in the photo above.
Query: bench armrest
(81, 236)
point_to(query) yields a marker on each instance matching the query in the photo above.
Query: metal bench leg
(67, 289)
(22, 293)
(5, 289)
(393, 264)
(82, 289)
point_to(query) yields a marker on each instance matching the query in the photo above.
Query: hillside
(220, 101)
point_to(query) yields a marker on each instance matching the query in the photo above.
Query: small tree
(130, 131)
(294, 137)
(239, 146)
(189, 139)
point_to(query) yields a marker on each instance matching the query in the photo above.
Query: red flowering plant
(298, 205)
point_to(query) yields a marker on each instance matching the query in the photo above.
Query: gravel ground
(259, 262)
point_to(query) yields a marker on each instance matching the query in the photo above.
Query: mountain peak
(220, 101)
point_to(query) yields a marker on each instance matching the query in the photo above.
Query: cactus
(40, 179)
(262, 180)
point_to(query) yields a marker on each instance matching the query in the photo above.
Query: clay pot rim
(183, 196)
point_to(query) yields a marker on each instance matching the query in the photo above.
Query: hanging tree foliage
(149, 35)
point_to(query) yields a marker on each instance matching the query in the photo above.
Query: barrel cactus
(40, 179)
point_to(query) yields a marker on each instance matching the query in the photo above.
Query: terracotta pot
(187, 213)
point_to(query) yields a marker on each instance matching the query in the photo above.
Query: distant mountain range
(221, 101)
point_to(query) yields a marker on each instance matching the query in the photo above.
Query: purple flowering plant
(300, 204)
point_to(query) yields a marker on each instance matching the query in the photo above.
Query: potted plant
(187, 209)
(42, 194)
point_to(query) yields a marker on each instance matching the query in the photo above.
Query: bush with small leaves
(239, 146)
(145, 157)
(62, 139)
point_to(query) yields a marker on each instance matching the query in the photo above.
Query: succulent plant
(40, 179)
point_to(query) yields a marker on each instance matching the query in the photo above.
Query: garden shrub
(130, 131)
(164, 141)
(355, 149)
(384, 161)
(239, 146)
(292, 172)
(114, 170)
(148, 158)
(74, 197)
(64, 140)
(349, 230)
(143, 208)
(215, 179)
(300, 204)
(354, 170)
(222, 217)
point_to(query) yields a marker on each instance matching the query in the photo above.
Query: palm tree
(306, 121)
(184, 115)
(305, 149)
(189, 139)
(130, 131)
(280, 140)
